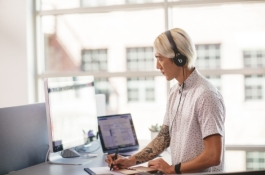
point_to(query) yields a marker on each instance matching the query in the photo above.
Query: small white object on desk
(90, 155)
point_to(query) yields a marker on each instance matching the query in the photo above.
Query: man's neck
(187, 72)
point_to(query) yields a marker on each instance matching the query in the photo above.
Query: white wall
(14, 62)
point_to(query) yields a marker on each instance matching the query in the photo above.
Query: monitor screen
(117, 131)
(71, 111)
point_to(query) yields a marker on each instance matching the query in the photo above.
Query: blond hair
(183, 42)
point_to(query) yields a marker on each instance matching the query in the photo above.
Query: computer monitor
(71, 113)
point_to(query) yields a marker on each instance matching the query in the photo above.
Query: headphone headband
(171, 41)
(179, 59)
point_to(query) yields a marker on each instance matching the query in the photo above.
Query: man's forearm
(154, 148)
(211, 156)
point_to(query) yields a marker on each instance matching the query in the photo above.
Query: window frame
(165, 5)
(38, 51)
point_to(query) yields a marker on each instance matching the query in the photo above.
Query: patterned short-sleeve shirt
(197, 113)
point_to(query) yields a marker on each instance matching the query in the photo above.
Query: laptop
(117, 131)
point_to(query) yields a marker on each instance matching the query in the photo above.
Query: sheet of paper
(105, 171)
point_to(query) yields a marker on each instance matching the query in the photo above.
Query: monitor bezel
(47, 103)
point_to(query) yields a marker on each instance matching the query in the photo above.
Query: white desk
(99, 161)
(52, 169)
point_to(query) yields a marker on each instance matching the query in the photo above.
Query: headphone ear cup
(180, 60)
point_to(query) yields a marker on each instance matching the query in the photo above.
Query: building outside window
(208, 56)
(140, 58)
(133, 94)
(94, 60)
(150, 94)
(255, 160)
(254, 87)
(141, 89)
(102, 86)
(254, 84)
(215, 80)
(254, 58)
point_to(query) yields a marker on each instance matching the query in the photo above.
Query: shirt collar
(190, 81)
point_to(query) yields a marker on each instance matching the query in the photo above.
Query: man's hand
(161, 165)
(121, 162)
(153, 149)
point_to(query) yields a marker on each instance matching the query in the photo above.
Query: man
(194, 121)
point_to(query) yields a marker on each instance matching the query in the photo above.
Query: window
(141, 58)
(215, 80)
(255, 160)
(254, 87)
(93, 3)
(133, 94)
(150, 94)
(208, 56)
(140, 1)
(126, 29)
(141, 89)
(102, 86)
(254, 58)
(94, 60)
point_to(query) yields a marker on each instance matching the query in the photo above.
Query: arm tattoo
(155, 147)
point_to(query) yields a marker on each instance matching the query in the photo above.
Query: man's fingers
(109, 159)
(119, 166)
(118, 161)
(150, 163)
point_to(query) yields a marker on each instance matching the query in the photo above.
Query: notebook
(136, 170)
(117, 131)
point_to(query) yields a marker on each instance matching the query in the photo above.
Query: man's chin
(169, 78)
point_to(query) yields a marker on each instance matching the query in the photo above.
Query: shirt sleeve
(211, 114)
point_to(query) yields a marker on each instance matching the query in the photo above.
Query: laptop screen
(117, 131)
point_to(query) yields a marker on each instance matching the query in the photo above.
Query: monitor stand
(70, 153)
(72, 157)
(68, 157)
(90, 147)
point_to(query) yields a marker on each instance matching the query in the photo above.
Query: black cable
(177, 110)
(179, 101)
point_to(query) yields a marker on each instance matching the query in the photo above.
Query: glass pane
(254, 58)
(68, 4)
(116, 97)
(228, 25)
(209, 56)
(95, 57)
(255, 160)
(140, 58)
(228, 37)
(97, 36)
(254, 88)
(149, 105)
(235, 156)
(66, 36)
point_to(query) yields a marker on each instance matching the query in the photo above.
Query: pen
(114, 158)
